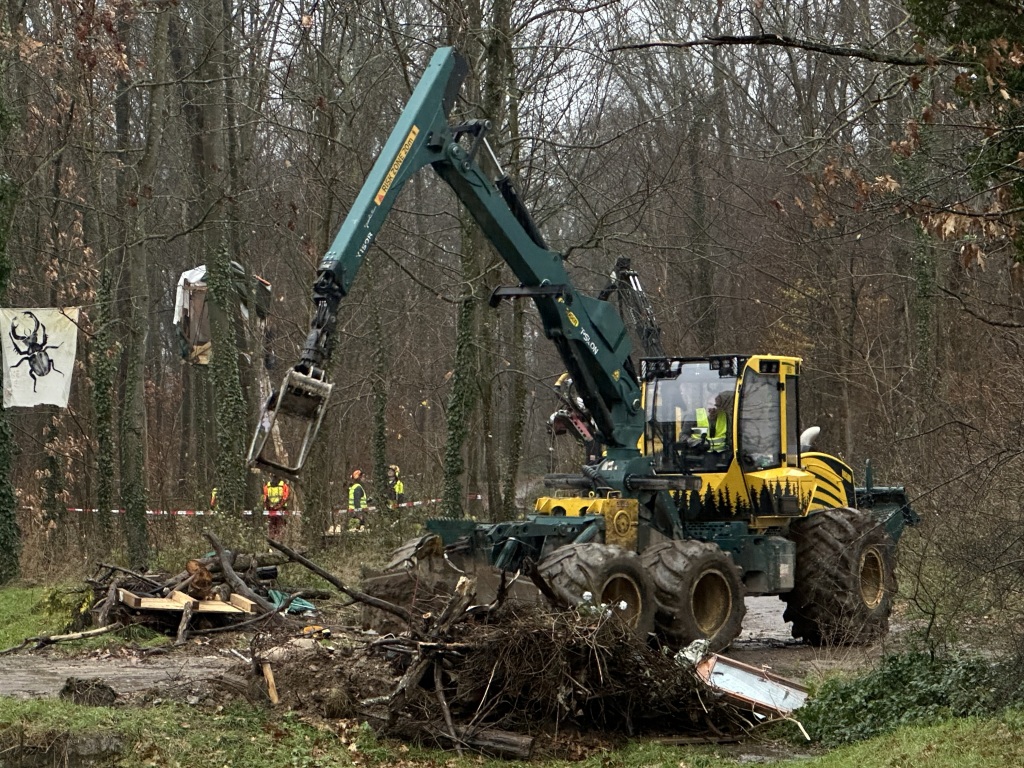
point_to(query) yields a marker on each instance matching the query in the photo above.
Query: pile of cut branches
(480, 675)
(531, 664)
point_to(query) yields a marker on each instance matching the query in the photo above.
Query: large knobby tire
(698, 591)
(845, 578)
(612, 575)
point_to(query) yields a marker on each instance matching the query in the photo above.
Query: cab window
(760, 436)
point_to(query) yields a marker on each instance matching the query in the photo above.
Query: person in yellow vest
(213, 499)
(711, 432)
(275, 502)
(396, 488)
(357, 501)
(712, 427)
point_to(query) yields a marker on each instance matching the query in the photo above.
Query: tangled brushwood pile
(531, 665)
(491, 677)
(494, 685)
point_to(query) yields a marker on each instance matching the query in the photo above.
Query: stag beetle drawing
(34, 352)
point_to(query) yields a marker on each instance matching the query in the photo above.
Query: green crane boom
(588, 332)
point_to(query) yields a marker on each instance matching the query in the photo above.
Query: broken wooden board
(177, 601)
(763, 691)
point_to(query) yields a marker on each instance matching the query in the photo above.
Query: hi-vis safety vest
(717, 436)
(356, 500)
(275, 494)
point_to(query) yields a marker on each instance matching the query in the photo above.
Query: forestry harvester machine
(690, 507)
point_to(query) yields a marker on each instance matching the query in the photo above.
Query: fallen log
(108, 603)
(233, 579)
(243, 563)
(492, 742)
(134, 574)
(41, 641)
(355, 594)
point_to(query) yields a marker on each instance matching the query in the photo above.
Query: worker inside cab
(718, 420)
(689, 418)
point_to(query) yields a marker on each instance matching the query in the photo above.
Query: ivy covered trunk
(230, 410)
(133, 440)
(380, 406)
(517, 414)
(103, 364)
(459, 405)
(10, 534)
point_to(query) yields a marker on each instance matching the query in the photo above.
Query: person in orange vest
(275, 501)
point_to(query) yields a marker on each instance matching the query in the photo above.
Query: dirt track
(29, 675)
(765, 642)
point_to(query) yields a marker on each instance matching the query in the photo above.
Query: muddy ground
(182, 672)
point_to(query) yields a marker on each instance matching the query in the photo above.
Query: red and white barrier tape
(201, 512)
(185, 512)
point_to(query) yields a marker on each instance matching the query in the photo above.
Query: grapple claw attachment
(289, 422)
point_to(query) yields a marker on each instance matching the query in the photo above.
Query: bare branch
(785, 41)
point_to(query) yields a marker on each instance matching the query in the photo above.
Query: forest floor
(211, 671)
(185, 672)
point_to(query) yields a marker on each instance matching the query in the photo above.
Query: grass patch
(38, 611)
(24, 615)
(177, 736)
(961, 743)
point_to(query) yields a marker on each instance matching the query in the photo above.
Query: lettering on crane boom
(583, 331)
(395, 166)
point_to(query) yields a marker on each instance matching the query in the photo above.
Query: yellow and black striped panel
(835, 480)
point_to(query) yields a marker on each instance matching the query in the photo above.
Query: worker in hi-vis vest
(396, 488)
(275, 503)
(357, 501)
(712, 427)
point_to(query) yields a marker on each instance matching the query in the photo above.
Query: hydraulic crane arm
(589, 334)
(635, 305)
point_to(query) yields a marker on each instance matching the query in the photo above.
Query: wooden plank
(150, 603)
(177, 602)
(268, 673)
(216, 606)
(181, 597)
(129, 598)
(242, 603)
